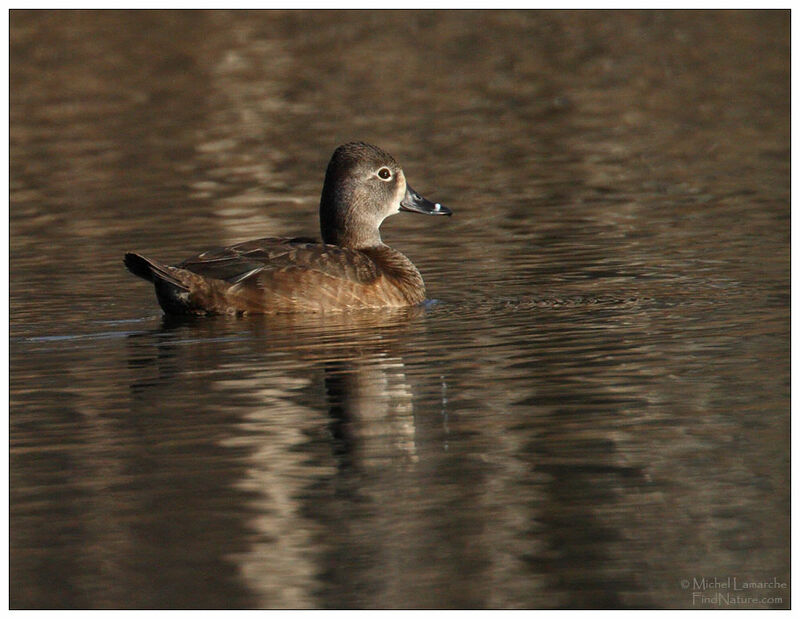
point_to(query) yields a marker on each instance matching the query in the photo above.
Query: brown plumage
(351, 269)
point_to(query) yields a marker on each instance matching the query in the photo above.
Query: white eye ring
(384, 174)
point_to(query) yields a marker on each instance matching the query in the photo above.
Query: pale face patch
(400, 193)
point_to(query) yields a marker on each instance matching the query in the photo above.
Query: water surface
(595, 411)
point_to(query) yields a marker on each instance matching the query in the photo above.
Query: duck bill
(415, 203)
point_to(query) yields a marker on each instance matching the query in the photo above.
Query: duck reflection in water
(369, 398)
(262, 406)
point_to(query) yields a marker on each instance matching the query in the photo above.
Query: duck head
(363, 186)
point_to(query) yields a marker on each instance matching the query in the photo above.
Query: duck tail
(152, 270)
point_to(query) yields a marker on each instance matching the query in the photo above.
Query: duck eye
(385, 174)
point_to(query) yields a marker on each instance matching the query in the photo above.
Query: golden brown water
(594, 413)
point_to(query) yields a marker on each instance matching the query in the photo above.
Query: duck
(350, 268)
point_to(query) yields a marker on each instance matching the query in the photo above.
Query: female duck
(350, 269)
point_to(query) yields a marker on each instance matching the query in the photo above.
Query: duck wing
(265, 262)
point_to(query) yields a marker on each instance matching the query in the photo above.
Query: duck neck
(346, 227)
(351, 237)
